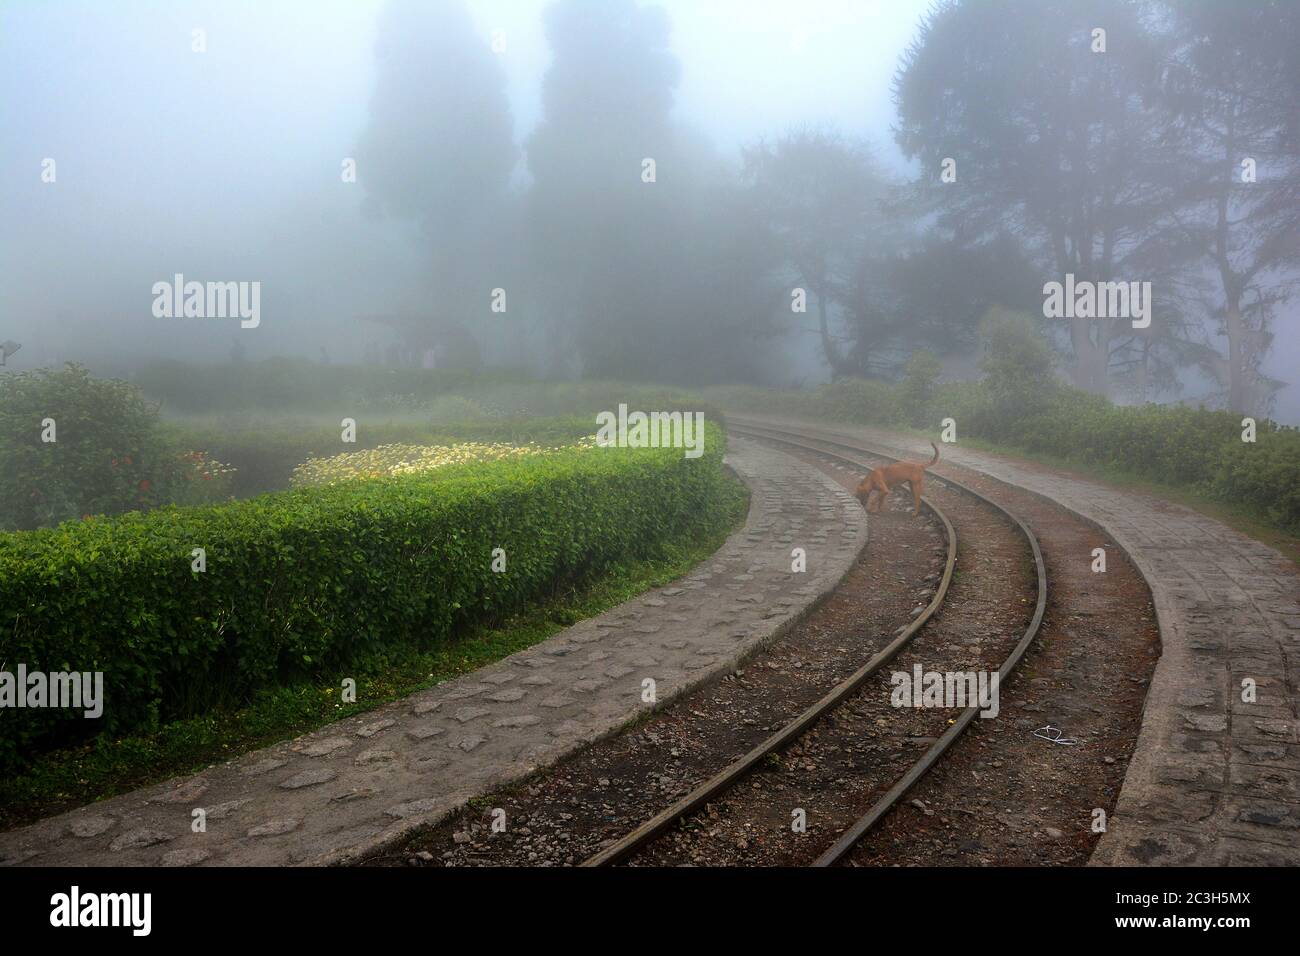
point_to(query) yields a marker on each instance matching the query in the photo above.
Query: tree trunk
(828, 345)
(1090, 358)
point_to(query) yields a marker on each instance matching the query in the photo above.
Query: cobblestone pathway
(332, 795)
(1214, 780)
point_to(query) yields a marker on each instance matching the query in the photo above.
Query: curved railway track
(721, 782)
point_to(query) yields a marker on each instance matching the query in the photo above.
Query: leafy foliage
(107, 456)
(1017, 365)
(920, 377)
(302, 581)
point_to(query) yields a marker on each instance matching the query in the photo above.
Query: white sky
(228, 160)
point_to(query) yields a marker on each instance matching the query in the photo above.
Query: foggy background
(225, 166)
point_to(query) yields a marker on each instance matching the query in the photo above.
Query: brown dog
(912, 472)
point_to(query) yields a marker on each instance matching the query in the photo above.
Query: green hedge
(302, 582)
(1194, 448)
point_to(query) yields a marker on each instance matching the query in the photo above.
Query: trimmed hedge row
(299, 583)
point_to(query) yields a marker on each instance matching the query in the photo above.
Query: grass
(64, 779)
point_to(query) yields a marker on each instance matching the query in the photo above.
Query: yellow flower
(402, 459)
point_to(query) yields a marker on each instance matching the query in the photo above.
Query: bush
(920, 375)
(1017, 365)
(300, 583)
(858, 399)
(107, 456)
(1265, 474)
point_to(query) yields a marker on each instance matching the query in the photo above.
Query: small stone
(523, 720)
(263, 766)
(324, 747)
(424, 733)
(188, 857)
(309, 778)
(412, 808)
(223, 810)
(139, 838)
(356, 793)
(371, 729)
(187, 792)
(276, 827)
(90, 826)
(375, 756)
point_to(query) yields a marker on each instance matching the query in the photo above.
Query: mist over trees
(1102, 139)
(580, 200)
(1233, 79)
(1108, 137)
(643, 255)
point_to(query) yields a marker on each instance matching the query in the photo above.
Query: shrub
(918, 388)
(858, 399)
(1265, 475)
(108, 456)
(302, 582)
(1017, 365)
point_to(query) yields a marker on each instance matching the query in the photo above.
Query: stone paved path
(1214, 780)
(357, 784)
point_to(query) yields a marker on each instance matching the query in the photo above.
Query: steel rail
(726, 778)
(850, 837)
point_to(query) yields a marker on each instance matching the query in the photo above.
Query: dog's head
(863, 491)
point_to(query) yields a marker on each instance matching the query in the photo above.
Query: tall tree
(820, 196)
(439, 147)
(635, 226)
(1231, 80)
(1055, 135)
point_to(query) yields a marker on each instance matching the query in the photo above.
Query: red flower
(144, 482)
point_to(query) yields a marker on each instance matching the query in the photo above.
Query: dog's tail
(930, 463)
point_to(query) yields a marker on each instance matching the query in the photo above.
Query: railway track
(720, 783)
